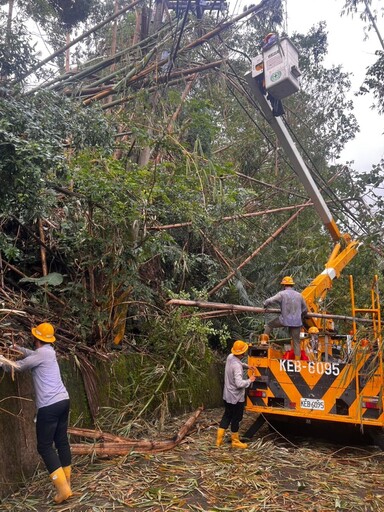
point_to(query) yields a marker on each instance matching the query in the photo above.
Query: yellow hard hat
(313, 330)
(239, 347)
(287, 280)
(268, 37)
(44, 332)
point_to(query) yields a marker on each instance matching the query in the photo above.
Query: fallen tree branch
(116, 445)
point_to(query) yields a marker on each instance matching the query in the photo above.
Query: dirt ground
(273, 474)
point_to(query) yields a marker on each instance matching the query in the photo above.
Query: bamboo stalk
(43, 254)
(122, 446)
(255, 252)
(169, 33)
(161, 382)
(96, 434)
(8, 362)
(179, 107)
(233, 308)
(232, 217)
(113, 88)
(126, 99)
(50, 294)
(133, 76)
(14, 311)
(197, 42)
(74, 41)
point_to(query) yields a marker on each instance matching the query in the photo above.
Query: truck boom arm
(345, 248)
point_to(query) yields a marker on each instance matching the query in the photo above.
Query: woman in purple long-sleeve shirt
(52, 403)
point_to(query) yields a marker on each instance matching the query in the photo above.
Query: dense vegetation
(128, 167)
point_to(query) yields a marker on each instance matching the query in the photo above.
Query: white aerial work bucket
(281, 68)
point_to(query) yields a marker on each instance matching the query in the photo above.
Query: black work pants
(233, 414)
(51, 428)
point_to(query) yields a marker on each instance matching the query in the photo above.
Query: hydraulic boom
(345, 248)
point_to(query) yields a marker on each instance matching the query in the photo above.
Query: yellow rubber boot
(236, 443)
(220, 436)
(60, 482)
(67, 472)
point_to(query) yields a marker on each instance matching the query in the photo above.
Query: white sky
(346, 46)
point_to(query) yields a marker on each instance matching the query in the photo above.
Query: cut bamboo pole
(238, 308)
(115, 445)
(43, 254)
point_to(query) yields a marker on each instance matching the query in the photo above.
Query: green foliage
(121, 231)
(72, 12)
(200, 125)
(34, 132)
(329, 114)
(373, 81)
(52, 279)
(17, 52)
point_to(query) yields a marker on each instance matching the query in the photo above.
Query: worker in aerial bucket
(234, 394)
(52, 403)
(293, 308)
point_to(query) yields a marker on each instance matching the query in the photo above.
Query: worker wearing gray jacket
(52, 403)
(234, 394)
(293, 308)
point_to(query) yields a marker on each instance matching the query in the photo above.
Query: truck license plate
(312, 403)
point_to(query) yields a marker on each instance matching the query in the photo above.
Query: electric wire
(325, 187)
(314, 171)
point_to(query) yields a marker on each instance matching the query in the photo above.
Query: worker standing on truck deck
(293, 308)
(234, 394)
(52, 403)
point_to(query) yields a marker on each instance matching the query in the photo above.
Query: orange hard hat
(287, 280)
(44, 332)
(313, 330)
(239, 347)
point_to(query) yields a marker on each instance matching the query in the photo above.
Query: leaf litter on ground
(273, 474)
